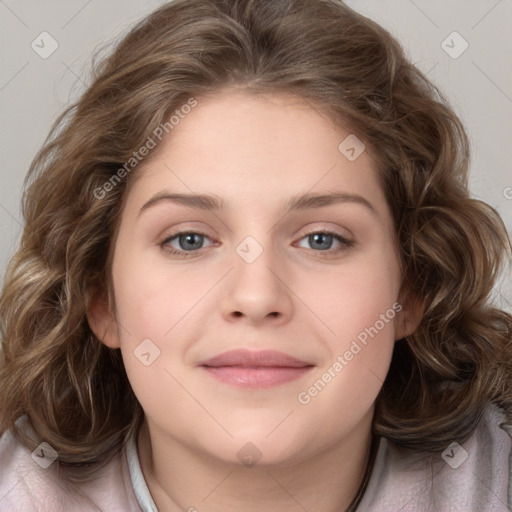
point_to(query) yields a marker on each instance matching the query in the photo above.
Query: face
(301, 293)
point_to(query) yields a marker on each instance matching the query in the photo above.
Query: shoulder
(473, 475)
(34, 482)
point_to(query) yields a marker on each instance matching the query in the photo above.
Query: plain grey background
(472, 68)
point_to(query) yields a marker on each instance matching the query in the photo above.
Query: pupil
(186, 239)
(319, 237)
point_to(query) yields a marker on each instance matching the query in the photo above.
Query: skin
(303, 298)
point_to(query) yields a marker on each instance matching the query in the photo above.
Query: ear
(101, 318)
(409, 317)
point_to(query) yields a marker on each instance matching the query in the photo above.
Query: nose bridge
(256, 236)
(255, 287)
(255, 257)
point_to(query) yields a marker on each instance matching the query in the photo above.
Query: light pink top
(474, 477)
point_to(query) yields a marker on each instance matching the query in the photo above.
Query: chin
(261, 449)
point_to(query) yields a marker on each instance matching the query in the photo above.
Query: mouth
(255, 369)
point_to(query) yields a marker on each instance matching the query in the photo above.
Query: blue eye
(190, 242)
(323, 240)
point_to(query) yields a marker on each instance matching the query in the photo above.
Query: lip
(255, 369)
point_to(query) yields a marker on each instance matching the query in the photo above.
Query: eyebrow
(211, 202)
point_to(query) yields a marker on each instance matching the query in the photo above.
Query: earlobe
(101, 319)
(410, 316)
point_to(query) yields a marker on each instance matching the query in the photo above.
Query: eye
(323, 240)
(187, 241)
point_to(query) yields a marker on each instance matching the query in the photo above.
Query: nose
(258, 289)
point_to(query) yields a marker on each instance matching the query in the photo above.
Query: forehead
(241, 146)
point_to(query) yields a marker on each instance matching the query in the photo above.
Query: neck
(180, 477)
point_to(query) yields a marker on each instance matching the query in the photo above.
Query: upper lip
(254, 359)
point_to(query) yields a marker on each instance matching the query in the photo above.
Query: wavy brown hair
(73, 392)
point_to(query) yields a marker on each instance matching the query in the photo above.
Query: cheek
(354, 296)
(153, 302)
(153, 307)
(150, 344)
(359, 352)
(358, 305)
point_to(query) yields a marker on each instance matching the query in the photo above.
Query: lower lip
(263, 377)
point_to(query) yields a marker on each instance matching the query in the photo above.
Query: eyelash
(345, 243)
